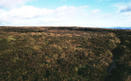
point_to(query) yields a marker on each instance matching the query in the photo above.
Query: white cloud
(28, 12)
(12, 3)
(29, 15)
(96, 11)
(62, 16)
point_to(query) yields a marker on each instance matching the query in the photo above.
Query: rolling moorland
(64, 54)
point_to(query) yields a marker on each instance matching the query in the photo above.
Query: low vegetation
(64, 54)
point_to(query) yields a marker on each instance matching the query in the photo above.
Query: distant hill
(119, 27)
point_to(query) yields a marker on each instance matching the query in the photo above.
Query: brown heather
(64, 54)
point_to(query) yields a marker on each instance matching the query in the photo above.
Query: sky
(85, 13)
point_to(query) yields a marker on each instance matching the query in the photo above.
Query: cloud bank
(62, 16)
(127, 9)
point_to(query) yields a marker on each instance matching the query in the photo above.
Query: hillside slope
(64, 54)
